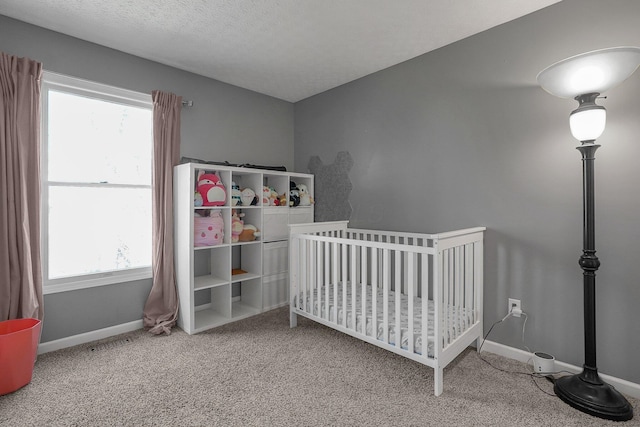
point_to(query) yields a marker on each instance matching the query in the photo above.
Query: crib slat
(448, 308)
(363, 280)
(451, 312)
(404, 269)
(354, 272)
(452, 295)
(445, 295)
(335, 267)
(424, 295)
(327, 278)
(385, 294)
(440, 289)
(410, 259)
(303, 273)
(468, 285)
(477, 279)
(294, 253)
(317, 250)
(312, 274)
(374, 292)
(344, 285)
(459, 293)
(398, 295)
(319, 274)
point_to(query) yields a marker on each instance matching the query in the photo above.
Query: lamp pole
(589, 261)
(586, 391)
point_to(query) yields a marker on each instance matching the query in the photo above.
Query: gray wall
(226, 123)
(463, 136)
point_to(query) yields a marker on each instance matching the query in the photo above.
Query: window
(96, 192)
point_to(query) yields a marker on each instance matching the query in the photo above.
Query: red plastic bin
(19, 340)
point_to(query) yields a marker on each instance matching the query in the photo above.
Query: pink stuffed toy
(266, 196)
(237, 225)
(211, 189)
(208, 230)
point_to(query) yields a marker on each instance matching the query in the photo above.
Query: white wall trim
(86, 337)
(623, 386)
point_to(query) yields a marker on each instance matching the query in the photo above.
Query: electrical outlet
(514, 307)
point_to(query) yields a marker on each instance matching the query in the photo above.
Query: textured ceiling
(289, 49)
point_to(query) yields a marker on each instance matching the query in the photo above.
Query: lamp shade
(591, 72)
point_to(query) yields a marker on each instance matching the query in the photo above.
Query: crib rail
(414, 294)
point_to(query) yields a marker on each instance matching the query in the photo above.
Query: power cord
(532, 375)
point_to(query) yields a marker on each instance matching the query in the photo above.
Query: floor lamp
(584, 77)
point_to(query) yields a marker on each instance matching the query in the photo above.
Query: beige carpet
(260, 372)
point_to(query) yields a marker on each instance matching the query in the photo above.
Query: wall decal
(332, 187)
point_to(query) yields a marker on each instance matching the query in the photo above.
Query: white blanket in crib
(458, 318)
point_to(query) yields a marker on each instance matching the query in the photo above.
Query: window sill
(103, 280)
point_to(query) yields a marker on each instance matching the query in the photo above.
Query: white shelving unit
(210, 295)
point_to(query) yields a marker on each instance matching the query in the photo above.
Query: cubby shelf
(244, 277)
(210, 295)
(204, 282)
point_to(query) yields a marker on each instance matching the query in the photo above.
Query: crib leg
(293, 319)
(438, 374)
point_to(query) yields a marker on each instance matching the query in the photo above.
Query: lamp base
(588, 393)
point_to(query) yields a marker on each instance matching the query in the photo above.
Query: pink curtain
(20, 263)
(161, 309)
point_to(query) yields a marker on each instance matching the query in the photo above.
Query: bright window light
(97, 184)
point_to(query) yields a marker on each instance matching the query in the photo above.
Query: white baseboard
(623, 386)
(86, 337)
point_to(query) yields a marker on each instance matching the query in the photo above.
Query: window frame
(86, 88)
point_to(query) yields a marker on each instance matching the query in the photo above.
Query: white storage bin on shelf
(275, 289)
(276, 224)
(221, 280)
(276, 257)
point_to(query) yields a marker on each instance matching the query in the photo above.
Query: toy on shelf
(294, 195)
(274, 200)
(282, 199)
(249, 233)
(211, 189)
(208, 230)
(236, 195)
(305, 197)
(197, 199)
(266, 195)
(237, 225)
(248, 197)
(270, 196)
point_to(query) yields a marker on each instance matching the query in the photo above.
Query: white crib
(370, 284)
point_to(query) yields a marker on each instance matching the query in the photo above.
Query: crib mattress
(459, 318)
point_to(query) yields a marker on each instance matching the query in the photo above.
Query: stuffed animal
(294, 198)
(248, 197)
(266, 196)
(197, 199)
(282, 199)
(236, 196)
(237, 225)
(305, 197)
(294, 194)
(208, 230)
(273, 197)
(211, 189)
(249, 233)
